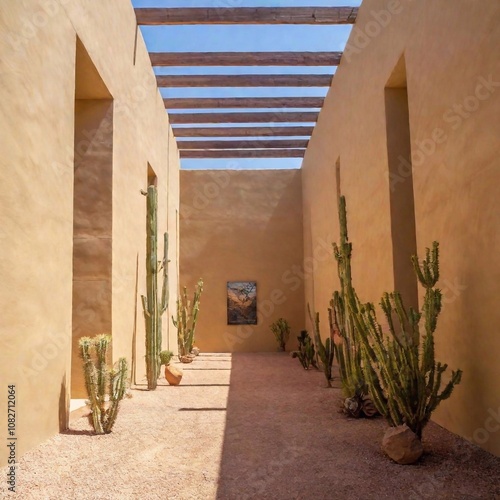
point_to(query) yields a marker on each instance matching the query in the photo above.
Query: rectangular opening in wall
(402, 204)
(92, 215)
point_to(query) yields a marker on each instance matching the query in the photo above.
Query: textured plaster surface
(39, 45)
(243, 226)
(453, 81)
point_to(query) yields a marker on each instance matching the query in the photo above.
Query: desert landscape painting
(241, 303)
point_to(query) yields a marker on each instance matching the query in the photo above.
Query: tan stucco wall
(38, 43)
(450, 49)
(243, 226)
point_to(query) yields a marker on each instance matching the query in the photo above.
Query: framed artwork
(241, 303)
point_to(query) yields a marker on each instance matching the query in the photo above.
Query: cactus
(400, 369)
(343, 306)
(324, 351)
(153, 306)
(102, 382)
(306, 352)
(341, 321)
(281, 330)
(187, 315)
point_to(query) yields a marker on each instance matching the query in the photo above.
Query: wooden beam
(244, 132)
(246, 15)
(258, 144)
(243, 153)
(244, 80)
(262, 117)
(245, 58)
(243, 102)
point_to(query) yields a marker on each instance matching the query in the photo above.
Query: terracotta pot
(173, 375)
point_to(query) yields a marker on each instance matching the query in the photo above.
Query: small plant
(324, 351)
(166, 357)
(306, 352)
(105, 387)
(187, 315)
(281, 330)
(400, 368)
(153, 305)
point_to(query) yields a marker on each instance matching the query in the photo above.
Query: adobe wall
(451, 73)
(55, 57)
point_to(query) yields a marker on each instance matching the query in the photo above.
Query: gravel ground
(247, 426)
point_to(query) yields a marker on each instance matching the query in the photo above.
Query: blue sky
(243, 38)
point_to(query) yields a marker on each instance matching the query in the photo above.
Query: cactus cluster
(106, 387)
(306, 352)
(153, 305)
(187, 315)
(281, 330)
(325, 351)
(400, 369)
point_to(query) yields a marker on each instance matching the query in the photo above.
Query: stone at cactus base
(195, 351)
(173, 375)
(402, 445)
(186, 359)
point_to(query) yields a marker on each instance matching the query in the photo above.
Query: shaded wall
(40, 80)
(451, 72)
(243, 226)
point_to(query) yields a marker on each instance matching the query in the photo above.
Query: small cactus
(281, 330)
(106, 387)
(306, 352)
(187, 315)
(324, 351)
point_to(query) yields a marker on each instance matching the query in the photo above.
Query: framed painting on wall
(241, 303)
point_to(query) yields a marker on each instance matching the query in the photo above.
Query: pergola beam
(244, 132)
(245, 144)
(243, 102)
(256, 117)
(242, 153)
(244, 80)
(245, 58)
(246, 15)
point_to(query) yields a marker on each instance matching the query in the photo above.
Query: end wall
(243, 226)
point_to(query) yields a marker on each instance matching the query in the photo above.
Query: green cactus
(102, 383)
(306, 352)
(187, 315)
(281, 330)
(324, 351)
(343, 306)
(400, 369)
(153, 306)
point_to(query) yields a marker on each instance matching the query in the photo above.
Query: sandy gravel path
(247, 426)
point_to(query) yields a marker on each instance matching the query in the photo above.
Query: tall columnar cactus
(400, 369)
(324, 351)
(154, 306)
(343, 306)
(105, 387)
(187, 315)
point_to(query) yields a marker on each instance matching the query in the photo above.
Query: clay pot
(173, 375)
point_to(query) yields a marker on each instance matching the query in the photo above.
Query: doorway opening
(92, 213)
(402, 205)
